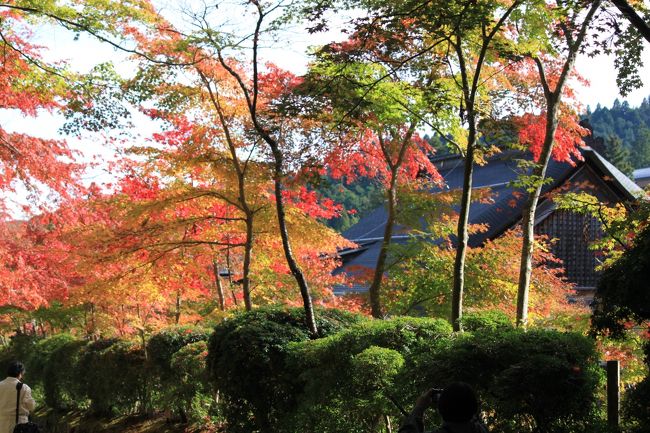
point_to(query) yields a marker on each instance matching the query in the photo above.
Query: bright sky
(289, 53)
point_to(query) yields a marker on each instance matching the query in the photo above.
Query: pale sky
(84, 53)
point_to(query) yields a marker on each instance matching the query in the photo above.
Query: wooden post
(613, 394)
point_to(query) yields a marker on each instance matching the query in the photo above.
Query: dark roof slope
(499, 215)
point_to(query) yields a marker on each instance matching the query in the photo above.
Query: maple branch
(30, 59)
(69, 24)
(637, 21)
(8, 145)
(542, 76)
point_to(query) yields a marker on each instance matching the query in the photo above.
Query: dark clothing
(413, 424)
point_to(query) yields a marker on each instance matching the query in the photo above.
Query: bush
(492, 320)
(161, 348)
(166, 342)
(59, 384)
(192, 390)
(529, 381)
(114, 376)
(39, 357)
(636, 403)
(247, 363)
(355, 378)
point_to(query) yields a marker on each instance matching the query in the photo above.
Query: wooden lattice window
(574, 234)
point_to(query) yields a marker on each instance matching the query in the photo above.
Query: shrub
(529, 381)
(247, 363)
(114, 376)
(161, 348)
(492, 319)
(192, 390)
(636, 403)
(166, 342)
(355, 378)
(39, 357)
(59, 384)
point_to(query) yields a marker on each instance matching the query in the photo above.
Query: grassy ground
(75, 422)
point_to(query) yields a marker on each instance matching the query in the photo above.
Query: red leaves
(366, 158)
(568, 137)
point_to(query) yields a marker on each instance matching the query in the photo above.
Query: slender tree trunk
(375, 287)
(218, 285)
(177, 313)
(463, 230)
(553, 99)
(286, 244)
(248, 250)
(528, 217)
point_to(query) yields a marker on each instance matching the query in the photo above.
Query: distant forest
(620, 133)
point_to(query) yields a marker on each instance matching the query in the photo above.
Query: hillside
(630, 125)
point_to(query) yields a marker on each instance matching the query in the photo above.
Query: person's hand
(426, 400)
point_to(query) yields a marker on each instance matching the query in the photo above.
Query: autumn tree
(374, 109)
(570, 27)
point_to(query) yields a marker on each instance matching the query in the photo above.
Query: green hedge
(113, 374)
(352, 380)
(162, 347)
(193, 392)
(247, 363)
(538, 380)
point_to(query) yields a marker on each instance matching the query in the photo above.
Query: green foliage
(59, 376)
(113, 374)
(39, 357)
(172, 388)
(630, 125)
(165, 343)
(353, 378)
(247, 363)
(528, 381)
(493, 320)
(358, 198)
(191, 389)
(622, 295)
(636, 408)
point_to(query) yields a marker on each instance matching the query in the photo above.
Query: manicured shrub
(113, 374)
(39, 357)
(247, 363)
(20, 348)
(161, 348)
(492, 319)
(59, 379)
(165, 343)
(353, 380)
(529, 381)
(192, 390)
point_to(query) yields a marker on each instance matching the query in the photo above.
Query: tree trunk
(218, 285)
(177, 314)
(286, 244)
(635, 19)
(553, 98)
(375, 286)
(463, 230)
(528, 217)
(248, 249)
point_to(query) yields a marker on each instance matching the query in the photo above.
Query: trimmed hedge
(247, 362)
(173, 379)
(539, 380)
(352, 379)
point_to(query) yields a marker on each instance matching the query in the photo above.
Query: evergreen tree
(618, 155)
(641, 148)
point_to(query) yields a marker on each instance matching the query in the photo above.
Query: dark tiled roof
(500, 215)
